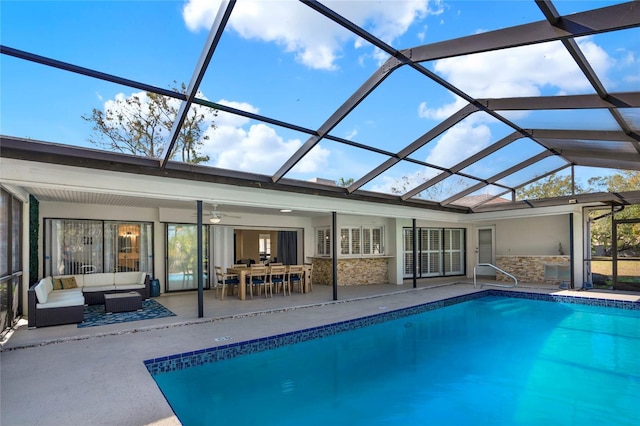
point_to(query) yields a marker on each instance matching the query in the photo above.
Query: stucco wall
(533, 236)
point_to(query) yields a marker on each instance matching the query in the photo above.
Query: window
(440, 252)
(88, 246)
(372, 241)
(264, 247)
(361, 241)
(323, 241)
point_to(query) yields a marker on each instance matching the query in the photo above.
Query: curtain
(288, 247)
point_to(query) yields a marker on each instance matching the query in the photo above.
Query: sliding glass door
(441, 252)
(182, 250)
(74, 247)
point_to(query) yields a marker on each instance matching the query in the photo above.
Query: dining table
(242, 278)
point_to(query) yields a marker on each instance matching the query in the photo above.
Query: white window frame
(323, 241)
(354, 238)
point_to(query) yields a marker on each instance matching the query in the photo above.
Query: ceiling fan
(215, 216)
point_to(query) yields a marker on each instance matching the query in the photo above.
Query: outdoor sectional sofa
(66, 305)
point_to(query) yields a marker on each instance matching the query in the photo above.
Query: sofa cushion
(48, 283)
(129, 278)
(129, 286)
(98, 288)
(62, 298)
(69, 282)
(57, 283)
(41, 292)
(99, 279)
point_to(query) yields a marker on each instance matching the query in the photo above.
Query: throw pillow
(69, 282)
(57, 283)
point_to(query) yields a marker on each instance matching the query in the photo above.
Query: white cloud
(459, 142)
(352, 134)
(316, 41)
(231, 145)
(258, 149)
(443, 112)
(523, 71)
(317, 160)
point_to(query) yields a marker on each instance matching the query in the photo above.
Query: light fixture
(285, 210)
(215, 217)
(573, 201)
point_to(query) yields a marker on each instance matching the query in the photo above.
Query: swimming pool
(489, 360)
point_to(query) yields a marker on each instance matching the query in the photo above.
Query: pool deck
(95, 375)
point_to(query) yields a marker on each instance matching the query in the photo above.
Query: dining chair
(258, 276)
(308, 278)
(187, 275)
(296, 276)
(279, 278)
(224, 279)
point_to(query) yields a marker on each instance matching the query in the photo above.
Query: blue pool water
(493, 361)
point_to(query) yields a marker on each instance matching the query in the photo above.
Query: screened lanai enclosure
(471, 108)
(392, 112)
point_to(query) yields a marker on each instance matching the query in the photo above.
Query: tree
(436, 192)
(628, 235)
(141, 124)
(551, 186)
(345, 182)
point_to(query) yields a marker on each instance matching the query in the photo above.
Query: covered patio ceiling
(352, 108)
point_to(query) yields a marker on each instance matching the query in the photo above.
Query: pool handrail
(515, 283)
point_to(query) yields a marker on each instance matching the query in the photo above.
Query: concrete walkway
(95, 376)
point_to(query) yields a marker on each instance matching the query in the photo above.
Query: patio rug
(95, 315)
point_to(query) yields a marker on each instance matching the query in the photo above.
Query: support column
(199, 261)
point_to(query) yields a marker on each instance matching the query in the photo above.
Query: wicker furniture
(44, 317)
(54, 307)
(122, 302)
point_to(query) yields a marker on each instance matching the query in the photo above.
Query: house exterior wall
(525, 232)
(533, 236)
(358, 270)
(523, 245)
(222, 236)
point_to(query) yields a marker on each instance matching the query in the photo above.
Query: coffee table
(122, 302)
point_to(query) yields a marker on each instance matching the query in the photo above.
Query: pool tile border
(184, 360)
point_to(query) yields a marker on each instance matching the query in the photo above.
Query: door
(181, 257)
(430, 246)
(485, 251)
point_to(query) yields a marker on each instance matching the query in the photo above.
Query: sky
(282, 60)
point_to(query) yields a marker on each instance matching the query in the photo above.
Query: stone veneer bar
(529, 269)
(220, 353)
(352, 270)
